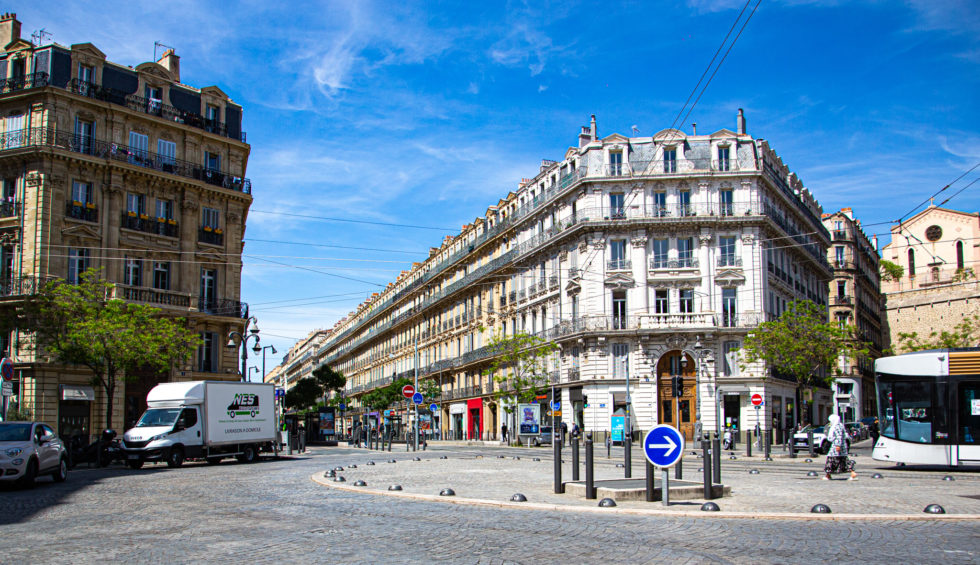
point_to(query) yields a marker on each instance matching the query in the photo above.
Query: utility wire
(348, 220)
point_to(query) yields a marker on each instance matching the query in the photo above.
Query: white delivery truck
(208, 420)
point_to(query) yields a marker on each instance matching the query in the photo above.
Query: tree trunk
(110, 389)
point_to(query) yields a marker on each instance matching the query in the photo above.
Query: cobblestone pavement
(272, 512)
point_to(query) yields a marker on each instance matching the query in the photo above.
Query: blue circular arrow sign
(342, 407)
(556, 405)
(417, 398)
(663, 446)
(434, 407)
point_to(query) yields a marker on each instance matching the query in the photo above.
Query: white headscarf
(833, 420)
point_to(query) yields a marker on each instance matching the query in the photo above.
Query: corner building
(641, 258)
(131, 171)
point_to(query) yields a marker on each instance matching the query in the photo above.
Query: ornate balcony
(145, 224)
(9, 209)
(82, 211)
(619, 265)
(729, 261)
(153, 296)
(673, 264)
(20, 286)
(214, 236)
(223, 307)
(25, 82)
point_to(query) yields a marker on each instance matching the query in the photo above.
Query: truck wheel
(176, 457)
(248, 455)
(137, 464)
(61, 473)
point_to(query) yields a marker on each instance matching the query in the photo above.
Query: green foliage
(303, 394)
(83, 325)
(383, 397)
(891, 271)
(964, 334)
(963, 275)
(19, 415)
(519, 366)
(802, 341)
(328, 379)
(430, 390)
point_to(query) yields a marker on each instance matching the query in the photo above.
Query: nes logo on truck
(244, 404)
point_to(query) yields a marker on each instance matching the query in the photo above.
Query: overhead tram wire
(937, 193)
(315, 271)
(308, 244)
(348, 220)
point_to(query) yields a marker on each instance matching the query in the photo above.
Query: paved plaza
(273, 512)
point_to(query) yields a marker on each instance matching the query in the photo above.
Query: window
(139, 146)
(659, 203)
(670, 160)
(839, 256)
(659, 260)
(78, 262)
(908, 410)
(730, 350)
(81, 192)
(133, 272)
(687, 301)
(617, 250)
(213, 113)
(729, 313)
(161, 275)
(684, 199)
(726, 200)
(574, 306)
(616, 210)
(167, 151)
(685, 252)
(207, 353)
(621, 357)
(212, 161)
(619, 309)
(615, 163)
(723, 163)
(135, 203)
(15, 130)
(959, 256)
(188, 417)
(210, 218)
(911, 264)
(661, 302)
(841, 289)
(84, 130)
(726, 249)
(165, 209)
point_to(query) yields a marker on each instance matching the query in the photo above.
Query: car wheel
(61, 473)
(176, 457)
(248, 455)
(30, 473)
(137, 464)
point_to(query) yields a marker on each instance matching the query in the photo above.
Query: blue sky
(425, 113)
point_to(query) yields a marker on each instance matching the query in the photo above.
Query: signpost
(757, 400)
(433, 407)
(417, 398)
(408, 391)
(663, 447)
(6, 377)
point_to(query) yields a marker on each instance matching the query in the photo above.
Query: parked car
(820, 442)
(856, 430)
(29, 449)
(544, 436)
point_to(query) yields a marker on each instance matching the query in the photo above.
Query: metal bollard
(792, 447)
(575, 459)
(768, 443)
(809, 440)
(628, 456)
(679, 469)
(716, 461)
(708, 495)
(608, 446)
(590, 493)
(748, 448)
(559, 487)
(651, 471)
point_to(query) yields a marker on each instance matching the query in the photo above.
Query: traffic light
(677, 386)
(585, 400)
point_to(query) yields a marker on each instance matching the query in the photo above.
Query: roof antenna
(157, 45)
(37, 38)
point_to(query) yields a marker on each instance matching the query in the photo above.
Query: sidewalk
(781, 488)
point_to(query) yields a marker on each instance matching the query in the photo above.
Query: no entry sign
(408, 391)
(756, 400)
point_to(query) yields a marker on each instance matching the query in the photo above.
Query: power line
(330, 245)
(348, 220)
(937, 193)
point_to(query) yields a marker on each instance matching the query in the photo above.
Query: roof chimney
(9, 30)
(583, 137)
(694, 128)
(592, 129)
(740, 122)
(171, 61)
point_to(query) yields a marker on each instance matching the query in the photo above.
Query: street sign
(417, 398)
(663, 446)
(756, 400)
(280, 392)
(342, 407)
(408, 391)
(8, 388)
(6, 369)
(556, 405)
(434, 407)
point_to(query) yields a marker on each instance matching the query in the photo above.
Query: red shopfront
(474, 418)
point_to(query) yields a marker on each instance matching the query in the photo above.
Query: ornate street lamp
(253, 334)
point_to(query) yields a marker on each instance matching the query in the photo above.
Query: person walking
(837, 460)
(503, 433)
(875, 432)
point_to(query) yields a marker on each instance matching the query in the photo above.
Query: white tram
(929, 407)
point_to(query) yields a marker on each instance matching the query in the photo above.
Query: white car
(820, 442)
(29, 449)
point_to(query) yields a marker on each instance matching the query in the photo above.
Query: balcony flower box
(218, 231)
(144, 217)
(172, 222)
(76, 203)
(161, 220)
(90, 205)
(207, 228)
(131, 214)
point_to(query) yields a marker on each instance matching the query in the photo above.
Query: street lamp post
(243, 338)
(263, 357)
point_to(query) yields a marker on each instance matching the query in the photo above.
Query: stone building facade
(855, 300)
(939, 252)
(130, 171)
(641, 258)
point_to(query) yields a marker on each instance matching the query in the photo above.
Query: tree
(891, 271)
(328, 380)
(303, 394)
(800, 342)
(964, 334)
(519, 367)
(84, 325)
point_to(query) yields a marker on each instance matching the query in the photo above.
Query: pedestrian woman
(837, 460)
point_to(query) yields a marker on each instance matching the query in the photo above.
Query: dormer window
(615, 163)
(670, 159)
(154, 99)
(723, 162)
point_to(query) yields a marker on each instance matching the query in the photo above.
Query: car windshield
(15, 432)
(818, 430)
(158, 417)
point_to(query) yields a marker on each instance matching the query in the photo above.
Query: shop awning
(77, 392)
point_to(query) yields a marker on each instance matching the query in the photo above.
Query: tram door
(967, 435)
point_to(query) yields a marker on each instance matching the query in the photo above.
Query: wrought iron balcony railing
(8, 209)
(23, 82)
(212, 236)
(154, 296)
(20, 286)
(156, 226)
(89, 145)
(729, 261)
(82, 211)
(223, 307)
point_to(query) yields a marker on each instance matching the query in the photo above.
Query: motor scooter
(727, 442)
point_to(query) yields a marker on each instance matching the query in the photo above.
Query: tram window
(969, 412)
(913, 411)
(886, 408)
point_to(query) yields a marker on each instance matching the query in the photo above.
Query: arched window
(959, 255)
(911, 264)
